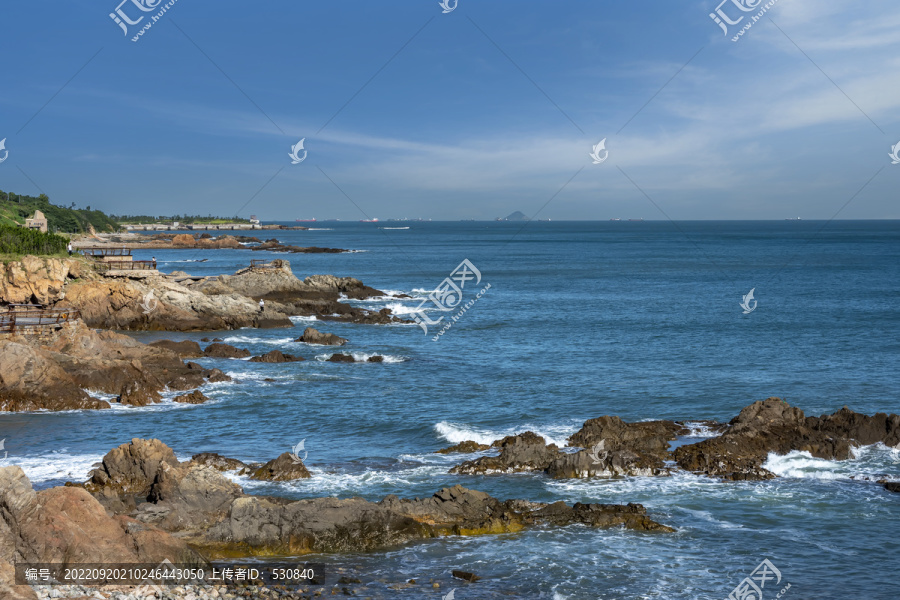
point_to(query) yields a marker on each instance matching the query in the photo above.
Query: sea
(556, 323)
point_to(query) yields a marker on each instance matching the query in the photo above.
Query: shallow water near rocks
(639, 320)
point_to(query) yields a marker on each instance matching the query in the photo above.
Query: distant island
(516, 216)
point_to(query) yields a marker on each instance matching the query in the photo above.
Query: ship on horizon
(375, 220)
(304, 220)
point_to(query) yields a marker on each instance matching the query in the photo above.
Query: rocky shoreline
(142, 505)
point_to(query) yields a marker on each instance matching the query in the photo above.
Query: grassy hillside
(17, 208)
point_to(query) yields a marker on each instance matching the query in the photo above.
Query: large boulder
(520, 453)
(286, 467)
(68, 526)
(312, 336)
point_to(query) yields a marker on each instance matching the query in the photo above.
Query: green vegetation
(18, 240)
(187, 219)
(15, 208)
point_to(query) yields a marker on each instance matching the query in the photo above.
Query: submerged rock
(276, 356)
(466, 447)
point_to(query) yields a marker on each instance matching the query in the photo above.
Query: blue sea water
(582, 319)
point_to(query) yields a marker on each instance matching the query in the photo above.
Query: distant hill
(516, 216)
(17, 208)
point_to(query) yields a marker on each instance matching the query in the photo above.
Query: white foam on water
(299, 319)
(365, 356)
(699, 430)
(320, 229)
(456, 433)
(872, 462)
(402, 309)
(245, 339)
(55, 466)
(393, 228)
(323, 483)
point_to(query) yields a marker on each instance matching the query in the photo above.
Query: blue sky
(488, 109)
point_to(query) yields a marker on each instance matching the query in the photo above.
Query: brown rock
(184, 349)
(466, 447)
(276, 356)
(466, 576)
(218, 462)
(283, 468)
(312, 336)
(341, 358)
(184, 240)
(892, 486)
(195, 397)
(225, 351)
(520, 453)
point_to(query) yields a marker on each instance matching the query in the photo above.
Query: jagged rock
(225, 351)
(131, 468)
(215, 375)
(283, 468)
(67, 525)
(184, 349)
(466, 447)
(375, 359)
(31, 380)
(350, 287)
(276, 356)
(136, 394)
(213, 515)
(312, 336)
(195, 397)
(524, 452)
(771, 426)
(892, 486)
